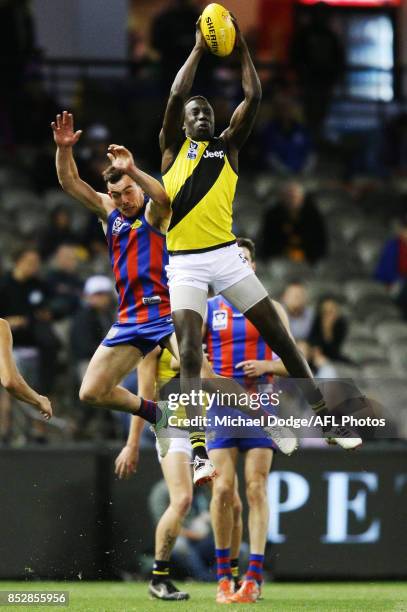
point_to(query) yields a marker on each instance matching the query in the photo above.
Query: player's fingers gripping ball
(218, 29)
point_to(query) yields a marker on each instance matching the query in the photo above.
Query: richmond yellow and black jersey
(201, 185)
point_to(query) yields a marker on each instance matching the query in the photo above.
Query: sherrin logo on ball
(218, 29)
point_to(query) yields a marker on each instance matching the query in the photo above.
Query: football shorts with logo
(144, 336)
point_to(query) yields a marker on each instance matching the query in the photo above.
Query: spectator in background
(392, 267)
(65, 285)
(300, 312)
(286, 146)
(319, 363)
(92, 321)
(59, 231)
(293, 227)
(319, 59)
(92, 160)
(328, 330)
(89, 326)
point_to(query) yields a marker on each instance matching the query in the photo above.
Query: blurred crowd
(331, 242)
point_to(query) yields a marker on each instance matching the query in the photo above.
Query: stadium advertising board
(332, 515)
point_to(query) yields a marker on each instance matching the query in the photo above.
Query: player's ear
(109, 193)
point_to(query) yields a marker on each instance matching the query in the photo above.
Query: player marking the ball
(200, 177)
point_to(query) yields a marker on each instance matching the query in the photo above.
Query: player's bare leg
(223, 493)
(257, 467)
(188, 329)
(265, 318)
(237, 532)
(177, 474)
(106, 369)
(100, 386)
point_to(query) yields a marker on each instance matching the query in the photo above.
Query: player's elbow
(163, 200)
(10, 383)
(255, 96)
(254, 93)
(176, 94)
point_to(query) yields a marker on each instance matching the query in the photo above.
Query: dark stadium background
(62, 512)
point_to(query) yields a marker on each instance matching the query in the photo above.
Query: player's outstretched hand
(120, 157)
(240, 41)
(64, 134)
(45, 408)
(199, 37)
(126, 462)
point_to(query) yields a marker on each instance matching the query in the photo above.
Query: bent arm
(10, 377)
(159, 208)
(71, 183)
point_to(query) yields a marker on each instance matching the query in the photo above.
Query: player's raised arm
(11, 378)
(65, 138)
(242, 120)
(171, 130)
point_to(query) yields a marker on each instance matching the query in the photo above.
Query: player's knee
(223, 493)
(191, 357)
(91, 393)
(256, 491)
(182, 504)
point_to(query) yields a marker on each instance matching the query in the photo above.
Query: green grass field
(287, 597)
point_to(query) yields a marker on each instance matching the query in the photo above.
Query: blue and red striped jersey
(231, 338)
(138, 257)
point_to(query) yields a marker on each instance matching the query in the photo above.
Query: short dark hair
(196, 98)
(19, 252)
(112, 175)
(248, 244)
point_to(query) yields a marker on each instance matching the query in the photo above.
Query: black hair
(112, 175)
(23, 250)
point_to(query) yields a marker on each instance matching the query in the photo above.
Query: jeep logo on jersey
(118, 225)
(219, 154)
(193, 150)
(219, 319)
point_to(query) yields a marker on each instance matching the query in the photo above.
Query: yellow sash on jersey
(201, 185)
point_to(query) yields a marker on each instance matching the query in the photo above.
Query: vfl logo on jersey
(193, 150)
(219, 320)
(118, 225)
(138, 223)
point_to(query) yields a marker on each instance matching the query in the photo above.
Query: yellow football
(218, 29)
